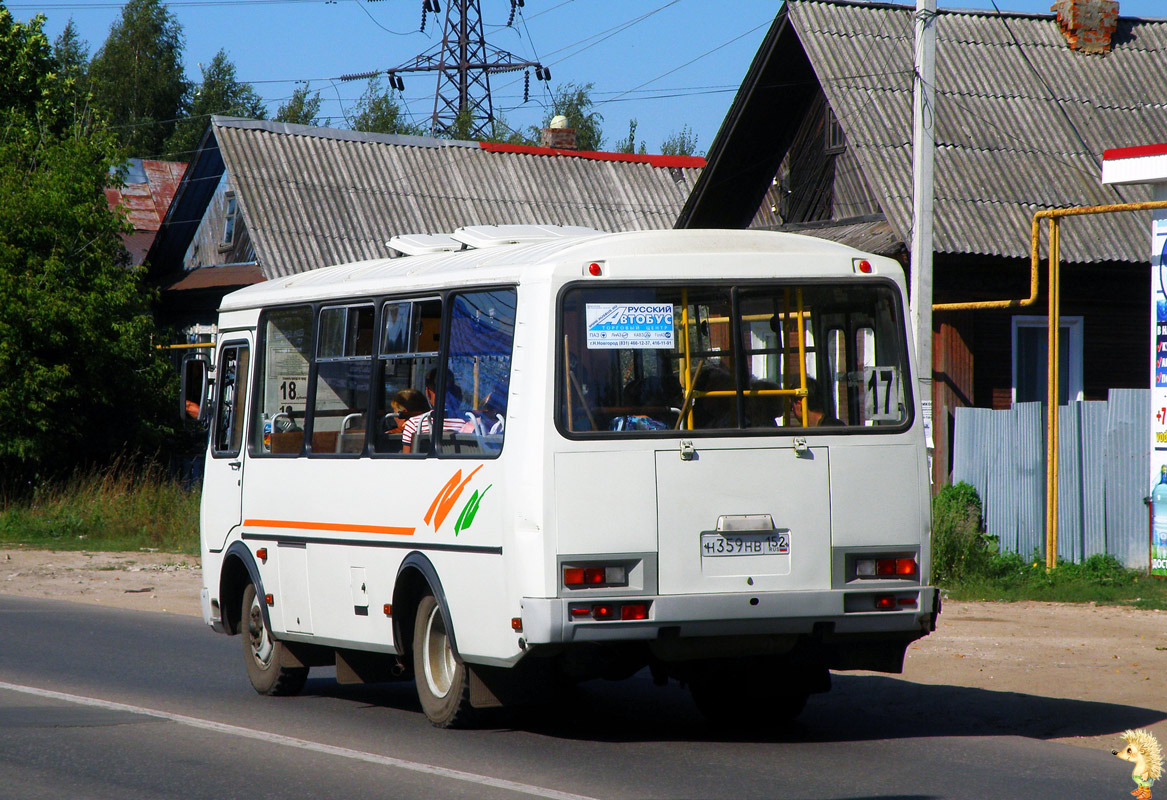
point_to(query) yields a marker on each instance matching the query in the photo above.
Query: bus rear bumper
(832, 612)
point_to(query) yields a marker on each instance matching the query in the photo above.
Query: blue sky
(665, 63)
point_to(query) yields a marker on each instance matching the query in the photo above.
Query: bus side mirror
(196, 369)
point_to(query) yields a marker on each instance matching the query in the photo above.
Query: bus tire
(262, 651)
(443, 681)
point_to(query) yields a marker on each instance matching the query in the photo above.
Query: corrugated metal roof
(316, 196)
(147, 192)
(1021, 120)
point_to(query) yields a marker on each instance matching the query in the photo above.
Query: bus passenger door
(223, 474)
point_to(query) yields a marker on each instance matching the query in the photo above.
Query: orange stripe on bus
(329, 526)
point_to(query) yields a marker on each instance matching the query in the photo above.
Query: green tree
(72, 55)
(629, 145)
(137, 77)
(379, 110)
(220, 92)
(681, 143)
(81, 380)
(300, 108)
(574, 101)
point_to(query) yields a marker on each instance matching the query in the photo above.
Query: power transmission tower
(464, 63)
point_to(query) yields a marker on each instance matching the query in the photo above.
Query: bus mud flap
(357, 666)
(492, 687)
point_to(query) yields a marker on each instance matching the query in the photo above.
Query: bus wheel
(443, 682)
(261, 653)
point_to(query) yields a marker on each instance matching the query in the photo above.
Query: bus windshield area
(639, 359)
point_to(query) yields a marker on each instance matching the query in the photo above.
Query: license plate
(766, 543)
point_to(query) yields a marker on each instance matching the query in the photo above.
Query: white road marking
(303, 744)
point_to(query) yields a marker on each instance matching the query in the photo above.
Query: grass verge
(125, 507)
(967, 564)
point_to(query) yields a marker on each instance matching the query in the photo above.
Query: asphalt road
(102, 703)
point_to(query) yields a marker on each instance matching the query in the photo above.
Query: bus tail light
(634, 611)
(886, 567)
(604, 612)
(594, 577)
(885, 602)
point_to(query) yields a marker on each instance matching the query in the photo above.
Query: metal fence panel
(1102, 477)
(1128, 465)
(1069, 485)
(1093, 419)
(1030, 478)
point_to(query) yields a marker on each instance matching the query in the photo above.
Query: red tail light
(634, 611)
(905, 566)
(885, 602)
(603, 612)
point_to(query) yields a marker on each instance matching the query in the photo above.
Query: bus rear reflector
(634, 611)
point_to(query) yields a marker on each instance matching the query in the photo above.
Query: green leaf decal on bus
(466, 518)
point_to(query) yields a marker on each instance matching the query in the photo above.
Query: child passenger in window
(419, 426)
(406, 404)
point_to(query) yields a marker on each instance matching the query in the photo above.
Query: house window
(835, 142)
(1031, 359)
(229, 221)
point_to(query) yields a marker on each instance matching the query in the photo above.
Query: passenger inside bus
(419, 427)
(816, 416)
(406, 404)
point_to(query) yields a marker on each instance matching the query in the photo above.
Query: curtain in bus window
(282, 394)
(477, 381)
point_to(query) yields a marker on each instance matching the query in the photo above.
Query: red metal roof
(145, 204)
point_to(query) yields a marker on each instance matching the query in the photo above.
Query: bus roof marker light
(595, 269)
(862, 266)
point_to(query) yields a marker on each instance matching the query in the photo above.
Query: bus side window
(230, 400)
(407, 349)
(344, 369)
(482, 332)
(283, 391)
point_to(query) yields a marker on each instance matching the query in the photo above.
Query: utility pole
(923, 151)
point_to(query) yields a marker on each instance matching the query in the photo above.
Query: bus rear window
(650, 360)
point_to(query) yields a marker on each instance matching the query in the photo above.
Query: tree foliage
(72, 55)
(220, 92)
(681, 143)
(574, 101)
(81, 381)
(628, 145)
(379, 110)
(300, 108)
(138, 83)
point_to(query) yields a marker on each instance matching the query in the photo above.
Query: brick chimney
(1087, 24)
(558, 135)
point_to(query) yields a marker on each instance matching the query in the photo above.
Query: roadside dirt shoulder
(1101, 654)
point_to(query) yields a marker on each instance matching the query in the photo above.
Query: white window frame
(230, 220)
(1075, 327)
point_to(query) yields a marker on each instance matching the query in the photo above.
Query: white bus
(694, 451)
